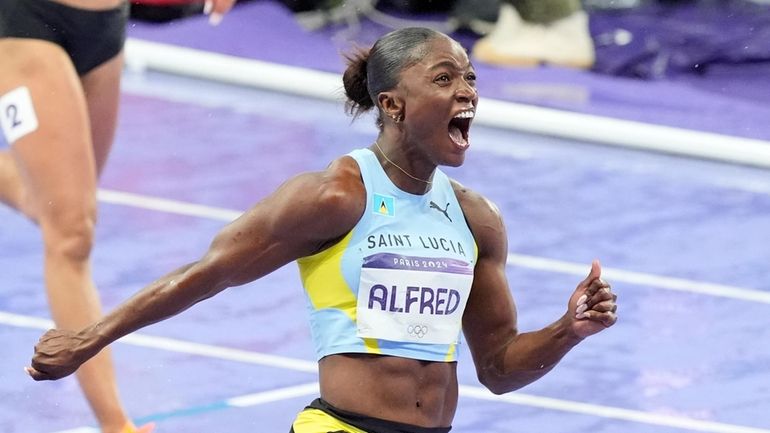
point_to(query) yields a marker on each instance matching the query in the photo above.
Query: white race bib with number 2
(17, 114)
(412, 299)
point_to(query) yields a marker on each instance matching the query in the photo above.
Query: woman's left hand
(592, 307)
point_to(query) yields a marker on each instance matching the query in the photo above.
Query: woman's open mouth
(459, 127)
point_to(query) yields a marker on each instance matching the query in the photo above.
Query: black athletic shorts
(89, 37)
(321, 417)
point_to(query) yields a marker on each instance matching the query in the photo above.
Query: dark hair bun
(355, 81)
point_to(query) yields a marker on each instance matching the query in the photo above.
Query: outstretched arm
(506, 359)
(302, 217)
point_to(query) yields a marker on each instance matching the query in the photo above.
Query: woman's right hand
(58, 354)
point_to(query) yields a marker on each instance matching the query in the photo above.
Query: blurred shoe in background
(515, 42)
(512, 42)
(568, 42)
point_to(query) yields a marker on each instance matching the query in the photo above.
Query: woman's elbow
(494, 382)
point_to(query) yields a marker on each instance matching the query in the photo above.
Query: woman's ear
(391, 106)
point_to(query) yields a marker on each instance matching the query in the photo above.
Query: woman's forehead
(444, 51)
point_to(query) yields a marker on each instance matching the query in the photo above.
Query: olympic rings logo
(418, 331)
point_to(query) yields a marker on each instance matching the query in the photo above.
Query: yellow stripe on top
(451, 354)
(326, 287)
(321, 275)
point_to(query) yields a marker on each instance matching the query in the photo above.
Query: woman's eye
(471, 77)
(442, 78)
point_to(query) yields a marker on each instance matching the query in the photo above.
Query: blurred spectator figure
(533, 32)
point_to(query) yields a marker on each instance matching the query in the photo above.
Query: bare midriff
(409, 391)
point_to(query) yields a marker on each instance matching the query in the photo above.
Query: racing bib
(412, 299)
(17, 114)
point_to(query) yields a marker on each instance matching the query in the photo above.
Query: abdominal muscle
(409, 391)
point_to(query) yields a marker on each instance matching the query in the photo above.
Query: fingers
(596, 286)
(598, 304)
(605, 307)
(596, 269)
(593, 274)
(595, 307)
(598, 291)
(46, 371)
(605, 318)
(54, 356)
(35, 374)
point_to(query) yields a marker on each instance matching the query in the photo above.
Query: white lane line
(211, 351)
(247, 400)
(21, 321)
(530, 262)
(608, 412)
(248, 357)
(274, 395)
(654, 281)
(166, 205)
(179, 346)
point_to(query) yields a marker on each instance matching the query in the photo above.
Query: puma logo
(433, 205)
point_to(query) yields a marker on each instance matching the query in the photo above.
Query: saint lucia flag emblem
(384, 205)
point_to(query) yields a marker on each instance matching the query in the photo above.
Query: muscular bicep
(298, 219)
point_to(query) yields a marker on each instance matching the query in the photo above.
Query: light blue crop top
(398, 282)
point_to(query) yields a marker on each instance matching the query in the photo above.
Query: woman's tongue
(457, 136)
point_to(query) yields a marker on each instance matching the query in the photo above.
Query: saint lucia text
(408, 241)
